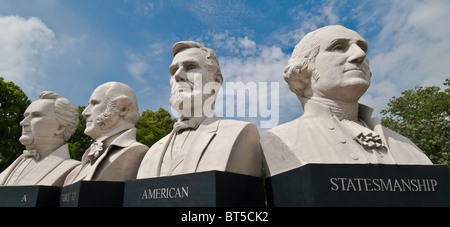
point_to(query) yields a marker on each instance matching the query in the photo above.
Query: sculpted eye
(338, 47)
(363, 47)
(173, 71)
(94, 102)
(191, 67)
(37, 115)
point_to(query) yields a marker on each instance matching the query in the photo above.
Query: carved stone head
(111, 105)
(195, 79)
(50, 119)
(329, 62)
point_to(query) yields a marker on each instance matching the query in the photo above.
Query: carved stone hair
(212, 63)
(120, 95)
(66, 112)
(301, 65)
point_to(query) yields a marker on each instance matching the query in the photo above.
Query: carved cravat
(364, 136)
(347, 113)
(95, 151)
(31, 154)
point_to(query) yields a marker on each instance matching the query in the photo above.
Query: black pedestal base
(92, 194)
(29, 196)
(203, 189)
(360, 185)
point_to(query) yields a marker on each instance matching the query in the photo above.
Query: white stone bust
(48, 123)
(329, 72)
(114, 154)
(200, 140)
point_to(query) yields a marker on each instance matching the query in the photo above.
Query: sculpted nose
(180, 75)
(25, 121)
(357, 54)
(86, 112)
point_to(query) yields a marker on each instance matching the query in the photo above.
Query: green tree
(152, 126)
(79, 142)
(13, 103)
(422, 115)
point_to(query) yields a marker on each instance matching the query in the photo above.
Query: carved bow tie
(31, 154)
(95, 151)
(180, 125)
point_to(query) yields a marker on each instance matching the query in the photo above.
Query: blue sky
(71, 47)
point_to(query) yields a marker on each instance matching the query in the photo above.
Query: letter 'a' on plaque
(92, 194)
(203, 189)
(29, 196)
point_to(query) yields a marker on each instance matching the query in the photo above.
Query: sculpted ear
(123, 111)
(122, 104)
(60, 130)
(218, 78)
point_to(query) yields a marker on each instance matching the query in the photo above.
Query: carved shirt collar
(354, 118)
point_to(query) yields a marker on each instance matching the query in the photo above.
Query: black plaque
(203, 189)
(29, 196)
(92, 194)
(360, 185)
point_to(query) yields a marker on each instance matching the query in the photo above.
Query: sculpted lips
(351, 69)
(26, 130)
(182, 87)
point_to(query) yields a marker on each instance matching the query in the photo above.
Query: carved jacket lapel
(122, 141)
(5, 174)
(47, 165)
(156, 155)
(203, 136)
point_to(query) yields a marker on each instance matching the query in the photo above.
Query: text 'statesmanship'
(382, 185)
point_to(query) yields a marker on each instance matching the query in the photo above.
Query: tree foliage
(79, 142)
(422, 115)
(152, 126)
(13, 103)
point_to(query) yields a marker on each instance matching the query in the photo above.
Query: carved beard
(107, 119)
(186, 99)
(191, 100)
(184, 104)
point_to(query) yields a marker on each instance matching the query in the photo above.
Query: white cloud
(142, 64)
(25, 44)
(137, 66)
(329, 13)
(412, 49)
(156, 48)
(148, 9)
(309, 19)
(220, 14)
(248, 46)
